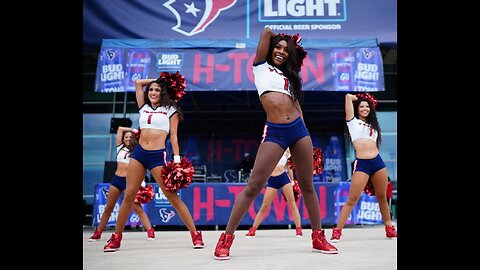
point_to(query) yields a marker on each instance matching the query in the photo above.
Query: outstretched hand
(352, 97)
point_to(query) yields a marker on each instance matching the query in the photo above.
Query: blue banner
(233, 19)
(211, 69)
(211, 204)
(100, 201)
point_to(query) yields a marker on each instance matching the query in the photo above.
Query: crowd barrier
(211, 204)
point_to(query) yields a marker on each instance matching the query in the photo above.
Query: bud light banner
(211, 204)
(101, 193)
(211, 69)
(234, 19)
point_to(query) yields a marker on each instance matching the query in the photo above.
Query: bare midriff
(152, 139)
(279, 107)
(365, 148)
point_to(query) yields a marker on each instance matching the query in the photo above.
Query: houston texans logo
(194, 16)
(112, 53)
(105, 192)
(166, 215)
(367, 53)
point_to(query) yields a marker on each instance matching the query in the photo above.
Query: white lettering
(170, 62)
(301, 8)
(325, 26)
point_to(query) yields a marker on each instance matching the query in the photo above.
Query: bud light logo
(169, 60)
(161, 199)
(302, 11)
(193, 17)
(369, 212)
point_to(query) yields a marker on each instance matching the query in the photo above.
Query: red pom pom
(296, 191)
(176, 84)
(137, 133)
(318, 161)
(144, 194)
(177, 175)
(290, 164)
(368, 96)
(369, 188)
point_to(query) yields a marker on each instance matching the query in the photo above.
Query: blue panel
(237, 20)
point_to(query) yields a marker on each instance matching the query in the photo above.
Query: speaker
(116, 122)
(109, 171)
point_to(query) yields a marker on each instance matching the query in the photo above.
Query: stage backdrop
(223, 154)
(121, 62)
(234, 19)
(211, 204)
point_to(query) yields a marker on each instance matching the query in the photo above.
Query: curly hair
(371, 119)
(292, 66)
(166, 99)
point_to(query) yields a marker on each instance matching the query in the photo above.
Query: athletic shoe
(113, 243)
(197, 239)
(96, 236)
(151, 234)
(299, 231)
(222, 250)
(251, 233)
(320, 244)
(391, 232)
(336, 233)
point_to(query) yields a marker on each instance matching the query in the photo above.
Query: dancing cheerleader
(276, 67)
(159, 117)
(369, 171)
(281, 178)
(126, 142)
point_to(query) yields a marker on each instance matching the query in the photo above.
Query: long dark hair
(133, 142)
(291, 67)
(371, 119)
(166, 99)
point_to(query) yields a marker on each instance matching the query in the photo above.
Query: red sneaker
(96, 236)
(222, 250)
(320, 244)
(151, 234)
(336, 233)
(197, 239)
(299, 231)
(391, 232)
(113, 243)
(251, 233)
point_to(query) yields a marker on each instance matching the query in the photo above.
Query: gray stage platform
(364, 247)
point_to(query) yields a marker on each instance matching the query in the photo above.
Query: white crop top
(158, 118)
(123, 154)
(359, 129)
(270, 78)
(284, 159)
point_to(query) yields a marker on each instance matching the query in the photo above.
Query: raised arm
(120, 130)
(263, 44)
(349, 99)
(139, 84)
(173, 137)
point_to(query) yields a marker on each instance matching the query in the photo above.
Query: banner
(211, 204)
(233, 19)
(231, 69)
(100, 201)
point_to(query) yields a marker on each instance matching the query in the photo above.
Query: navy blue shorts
(119, 182)
(278, 181)
(368, 166)
(149, 158)
(285, 135)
